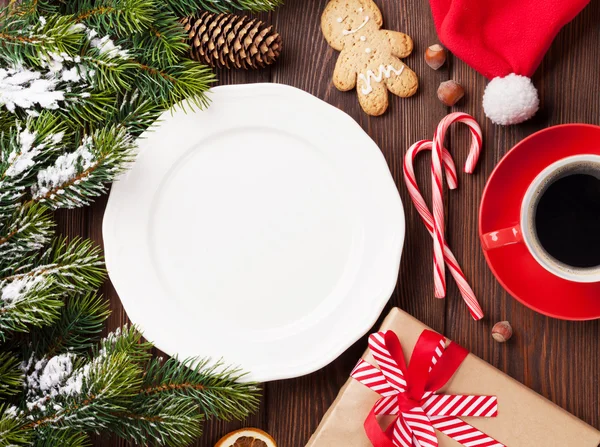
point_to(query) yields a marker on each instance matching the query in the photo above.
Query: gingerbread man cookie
(369, 58)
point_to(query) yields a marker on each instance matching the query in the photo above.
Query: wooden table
(558, 359)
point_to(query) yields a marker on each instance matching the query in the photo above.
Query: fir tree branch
(184, 8)
(187, 80)
(82, 112)
(163, 43)
(29, 229)
(22, 149)
(175, 423)
(95, 393)
(72, 265)
(77, 330)
(106, 70)
(59, 83)
(32, 289)
(31, 7)
(33, 140)
(77, 177)
(159, 72)
(23, 40)
(216, 389)
(27, 302)
(62, 438)
(120, 17)
(111, 76)
(12, 429)
(135, 113)
(11, 377)
(128, 340)
(69, 392)
(6, 125)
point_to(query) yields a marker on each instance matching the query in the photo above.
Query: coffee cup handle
(502, 238)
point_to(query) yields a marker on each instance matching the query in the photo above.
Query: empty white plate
(265, 230)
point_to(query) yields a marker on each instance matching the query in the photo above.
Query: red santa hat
(504, 40)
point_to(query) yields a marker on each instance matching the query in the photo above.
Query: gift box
(523, 417)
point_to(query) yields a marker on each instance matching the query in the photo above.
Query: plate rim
(377, 303)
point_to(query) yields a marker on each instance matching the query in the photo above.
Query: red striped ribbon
(409, 394)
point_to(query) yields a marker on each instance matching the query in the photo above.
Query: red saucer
(514, 267)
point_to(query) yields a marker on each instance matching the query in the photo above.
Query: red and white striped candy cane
(419, 202)
(438, 188)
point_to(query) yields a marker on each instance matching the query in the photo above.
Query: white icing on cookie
(352, 31)
(359, 10)
(367, 50)
(363, 38)
(383, 71)
(340, 20)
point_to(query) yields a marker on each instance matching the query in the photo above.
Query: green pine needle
(26, 40)
(98, 160)
(23, 148)
(28, 229)
(163, 43)
(108, 383)
(119, 17)
(216, 389)
(175, 423)
(184, 8)
(11, 377)
(127, 340)
(76, 331)
(135, 112)
(35, 304)
(187, 80)
(62, 438)
(12, 429)
(32, 290)
(73, 265)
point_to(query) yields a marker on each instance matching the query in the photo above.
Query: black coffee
(567, 220)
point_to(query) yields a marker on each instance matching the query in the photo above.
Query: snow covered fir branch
(80, 81)
(116, 387)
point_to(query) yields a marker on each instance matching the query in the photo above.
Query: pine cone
(230, 41)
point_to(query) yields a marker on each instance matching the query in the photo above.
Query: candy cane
(438, 189)
(419, 202)
(411, 182)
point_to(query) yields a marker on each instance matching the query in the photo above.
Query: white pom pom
(510, 100)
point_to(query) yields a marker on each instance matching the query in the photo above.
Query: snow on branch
(25, 88)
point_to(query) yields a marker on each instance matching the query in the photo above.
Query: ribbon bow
(408, 393)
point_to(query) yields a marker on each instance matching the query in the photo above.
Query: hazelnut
(502, 331)
(435, 56)
(450, 92)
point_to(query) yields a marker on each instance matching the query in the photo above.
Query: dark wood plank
(555, 358)
(558, 359)
(407, 121)
(295, 406)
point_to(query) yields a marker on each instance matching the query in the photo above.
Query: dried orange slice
(247, 437)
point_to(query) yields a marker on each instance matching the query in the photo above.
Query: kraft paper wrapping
(525, 419)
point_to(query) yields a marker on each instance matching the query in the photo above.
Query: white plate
(266, 230)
